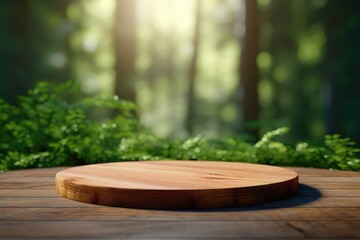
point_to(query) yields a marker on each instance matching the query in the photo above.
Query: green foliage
(45, 130)
(341, 153)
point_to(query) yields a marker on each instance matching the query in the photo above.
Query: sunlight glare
(167, 15)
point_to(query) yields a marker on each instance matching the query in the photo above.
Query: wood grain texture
(176, 184)
(121, 214)
(182, 229)
(34, 210)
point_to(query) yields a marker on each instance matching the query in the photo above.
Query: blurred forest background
(214, 67)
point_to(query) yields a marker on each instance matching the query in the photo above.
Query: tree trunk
(17, 61)
(189, 121)
(125, 49)
(249, 75)
(341, 68)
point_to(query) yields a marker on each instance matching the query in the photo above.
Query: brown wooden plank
(313, 172)
(50, 184)
(303, 192)
(27, 185)
(334, 185)
(149, 229)
(308, 172)
(323, 202)
(298, 202)
(28, 193)
(35, 172)
(334, 179)
(329, 192)
(327, 229)
(108, 214)
(181, 229)
(318, 181)
(303, 172)
(33, 179)
(314, 202)
(47, 202)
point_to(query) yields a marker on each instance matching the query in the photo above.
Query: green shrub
(51, 126)
(44, 130)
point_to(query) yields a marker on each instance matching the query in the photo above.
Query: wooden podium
(176, 184)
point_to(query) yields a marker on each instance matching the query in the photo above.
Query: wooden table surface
(326, 206)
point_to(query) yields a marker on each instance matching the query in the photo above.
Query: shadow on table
(305, 195)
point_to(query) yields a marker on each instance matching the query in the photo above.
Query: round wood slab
(176, 184)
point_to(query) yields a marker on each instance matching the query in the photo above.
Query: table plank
(181, 229)
(35, 172)
(328, 229)
(317, 172)
(28, 193)
(41, 185)
(301, 193)
(27, 185)
(21, 179)
(333, 179)
(304, 172)
(298, 202)
(108, 214)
